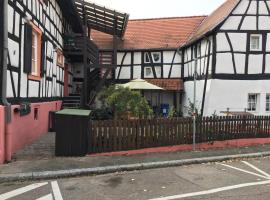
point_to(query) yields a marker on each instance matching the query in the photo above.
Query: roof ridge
(160, 18)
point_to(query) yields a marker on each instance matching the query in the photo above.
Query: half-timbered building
(43, 42)
(149, 50)
(230, 52)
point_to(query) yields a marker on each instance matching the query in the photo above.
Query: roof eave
(206, 34)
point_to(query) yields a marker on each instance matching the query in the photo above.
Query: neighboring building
(231, 48)
(149, 50)
(36, 68)
(47, 39)
(237, 74)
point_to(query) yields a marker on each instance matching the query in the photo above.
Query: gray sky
(161, 8)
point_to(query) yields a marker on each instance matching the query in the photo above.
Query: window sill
(255, 50)
(34, 78)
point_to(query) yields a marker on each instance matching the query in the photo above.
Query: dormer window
(255, 42)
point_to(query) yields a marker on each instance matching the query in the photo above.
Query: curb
(32, 176)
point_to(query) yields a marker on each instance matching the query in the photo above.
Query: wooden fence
(119, 135)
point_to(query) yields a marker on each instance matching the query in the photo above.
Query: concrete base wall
(24, 130)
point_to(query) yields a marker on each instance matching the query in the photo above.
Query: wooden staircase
(71, 101)
(102, 76)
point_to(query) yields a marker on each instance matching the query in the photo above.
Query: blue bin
(165, 110)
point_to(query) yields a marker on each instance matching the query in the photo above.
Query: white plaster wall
(14, 50)
(222, 42)
(137, 72)
(267, 63)
(249, 23)
(241, 8)
(224, 63)
(223, 94)
(231, 23)
(189, 95)
(176, 71)
(264, 22)
(255, 64)
(239, 41)
(137, 58)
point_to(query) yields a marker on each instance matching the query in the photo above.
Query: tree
(123, 101)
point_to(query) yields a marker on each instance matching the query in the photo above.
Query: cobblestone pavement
(43, 148)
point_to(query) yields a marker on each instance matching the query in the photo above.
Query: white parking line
(47, 197)
(22, 190)
(212, 191)
(245, 171)
(256, 168)
(56, 191)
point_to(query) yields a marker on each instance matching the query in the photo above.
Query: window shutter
(27, 49)
(43, 54)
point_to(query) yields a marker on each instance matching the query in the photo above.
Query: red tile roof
(152, 33)
(168, 84)
(213, 20)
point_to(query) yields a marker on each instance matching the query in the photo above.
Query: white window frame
(267, 102)
(146, 55)
(152, 54)
(252, 106)
(153, 57)
(145, 72)
(257, 36)
(34, 69)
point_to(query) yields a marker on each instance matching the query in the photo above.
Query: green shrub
(123, 101)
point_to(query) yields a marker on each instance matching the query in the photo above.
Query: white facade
(239, 62)
(133, 64)
(49, 20)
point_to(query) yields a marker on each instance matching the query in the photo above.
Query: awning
(168, 84)
(139, 84)
(101, 18)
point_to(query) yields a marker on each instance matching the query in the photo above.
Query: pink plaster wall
(2, 134)
(24, 130)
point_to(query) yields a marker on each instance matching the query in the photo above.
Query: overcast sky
(161, 8)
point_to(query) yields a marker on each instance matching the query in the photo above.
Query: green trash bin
(72, 130)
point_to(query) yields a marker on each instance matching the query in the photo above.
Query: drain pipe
(4, 68)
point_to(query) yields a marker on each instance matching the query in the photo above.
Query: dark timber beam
(84, 93)
(115, 47)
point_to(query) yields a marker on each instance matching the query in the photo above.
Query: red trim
(2, 134)
(66, 80)
(203, 146)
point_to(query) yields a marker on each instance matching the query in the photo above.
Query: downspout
(206, 76)
(4, 100)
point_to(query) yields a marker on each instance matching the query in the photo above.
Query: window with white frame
(255, 42)
(146, 58)
(148, 72)
(156, 56)
(252, 102)
(34, 53)
(267, 102)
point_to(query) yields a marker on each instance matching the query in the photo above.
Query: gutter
(4, 100)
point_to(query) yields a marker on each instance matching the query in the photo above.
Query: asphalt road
(237, 180)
